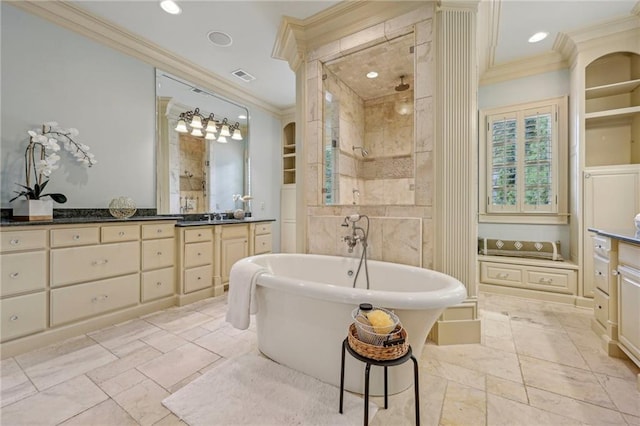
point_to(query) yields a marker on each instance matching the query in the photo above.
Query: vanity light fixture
(539, 36)
(170, 7)
(372, 74)
(198, 123)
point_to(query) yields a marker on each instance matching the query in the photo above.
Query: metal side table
(369, 362)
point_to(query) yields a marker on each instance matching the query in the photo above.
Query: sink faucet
(208, 217)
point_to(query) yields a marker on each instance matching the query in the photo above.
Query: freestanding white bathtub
(305, 302)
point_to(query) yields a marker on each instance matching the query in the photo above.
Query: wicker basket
(370, 334)
(379, 353)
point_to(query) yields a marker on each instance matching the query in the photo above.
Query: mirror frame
(163, 195)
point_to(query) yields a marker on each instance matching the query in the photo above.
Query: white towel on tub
(241, 299)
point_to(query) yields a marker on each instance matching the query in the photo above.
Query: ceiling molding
(78, 20)
(297, 37)
(488, 31)
(546, 62)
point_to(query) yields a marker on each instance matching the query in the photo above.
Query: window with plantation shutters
(523, 163)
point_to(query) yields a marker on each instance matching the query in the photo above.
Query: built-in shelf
(612, 89)
(290, 146)
(289, 154)
(619, 112)
(293, 154)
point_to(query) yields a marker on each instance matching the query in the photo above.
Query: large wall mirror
(368, 134)
(200, 170)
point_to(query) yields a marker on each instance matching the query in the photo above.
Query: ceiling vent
(243, 75)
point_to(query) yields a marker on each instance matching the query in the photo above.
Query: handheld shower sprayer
(363, 151)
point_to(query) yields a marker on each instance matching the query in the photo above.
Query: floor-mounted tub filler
(303, 305)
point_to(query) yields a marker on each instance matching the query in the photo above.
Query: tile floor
(538, 364)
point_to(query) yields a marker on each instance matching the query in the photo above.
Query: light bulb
(181, 127)
(237, 136)
(222, 139)
(196, 122)
(224, 131)
(211, 127)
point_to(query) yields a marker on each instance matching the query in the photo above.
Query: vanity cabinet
(605, 290)
(23, 282)
(207, 252)
(59, 280)
(629, 300)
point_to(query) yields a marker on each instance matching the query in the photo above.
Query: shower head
(363, 151)
(402, 86)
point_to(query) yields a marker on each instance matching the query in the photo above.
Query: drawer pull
(199, 235)
(100, 298)
(13, 318)
(545, 280)
(76, 237)
(199, 278)
(159, 253)
(159, 231)
(14, 242)
(503, 275)
(599, 246)
(121, 233)
(199, 254)
(599, 306)
(615, 272)
(159, 283)
(100, 262)
(14, 274)
(598, 273)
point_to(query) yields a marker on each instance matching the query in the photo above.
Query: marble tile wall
(389, 194)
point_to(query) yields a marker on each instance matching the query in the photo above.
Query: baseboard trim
(569, 299)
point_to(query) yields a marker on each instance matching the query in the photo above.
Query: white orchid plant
(41, 159)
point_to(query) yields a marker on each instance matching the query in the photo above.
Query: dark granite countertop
(82, 220)
(184, 223)
(628, 235)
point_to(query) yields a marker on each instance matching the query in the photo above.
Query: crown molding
(488, 30)
(538, 64)
(76, 19)
(296, 37)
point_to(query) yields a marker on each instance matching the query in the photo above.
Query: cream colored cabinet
(629, 300)
(23, 282)
(158, 259)
(262, 238)
(611, 200)
(529, 275)
(62, 280)
(605, 293)
(196, 259)
(234, 246)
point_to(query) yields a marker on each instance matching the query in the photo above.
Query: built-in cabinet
(629, 300)
(289, 154)
(59, 280)
(207, 253)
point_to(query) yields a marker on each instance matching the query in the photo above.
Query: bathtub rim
(451, 293)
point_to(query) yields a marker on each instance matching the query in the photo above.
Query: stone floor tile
(507, 389)
(121, 334)
(126, 363)
(170, 420)
(144, 402)
(122, 382)
(547, 344)
(14, 384)
(104, 414)
(164, 341)
(455, 373)
(624, 393)
(464, 406)
(505, 412)
(38, 356)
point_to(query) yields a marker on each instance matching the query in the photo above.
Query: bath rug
(253, 390)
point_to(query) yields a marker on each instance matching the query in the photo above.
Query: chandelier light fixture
(207, 126)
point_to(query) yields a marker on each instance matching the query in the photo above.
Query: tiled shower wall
(401, 231)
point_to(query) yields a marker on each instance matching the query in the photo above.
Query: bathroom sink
(207, 222)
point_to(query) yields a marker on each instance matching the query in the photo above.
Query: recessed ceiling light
(372, 74)
(242, 117)
(538, 37)
(220, 39)
(171, 7)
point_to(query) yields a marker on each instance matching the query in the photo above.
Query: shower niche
(368, 125)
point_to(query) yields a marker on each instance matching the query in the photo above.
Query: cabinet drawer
(21, 272)
(263, 244)
(198, 254)
(601, 273)
(197, 278)
(156, 284)
(500, 274)
(557, 280)
(234, 231)
(74, 237)
(263, 228)
(157, 230)
(601, 246)
(23, 240)
(86, 300)
(196, 235)
(74, 265)
(157, 253)
(115, 234)
(601, 307)
(22, 315)
(629, 254)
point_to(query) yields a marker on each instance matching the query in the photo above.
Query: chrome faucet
(358, 234)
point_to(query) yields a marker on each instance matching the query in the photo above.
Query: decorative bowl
(122, 207)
